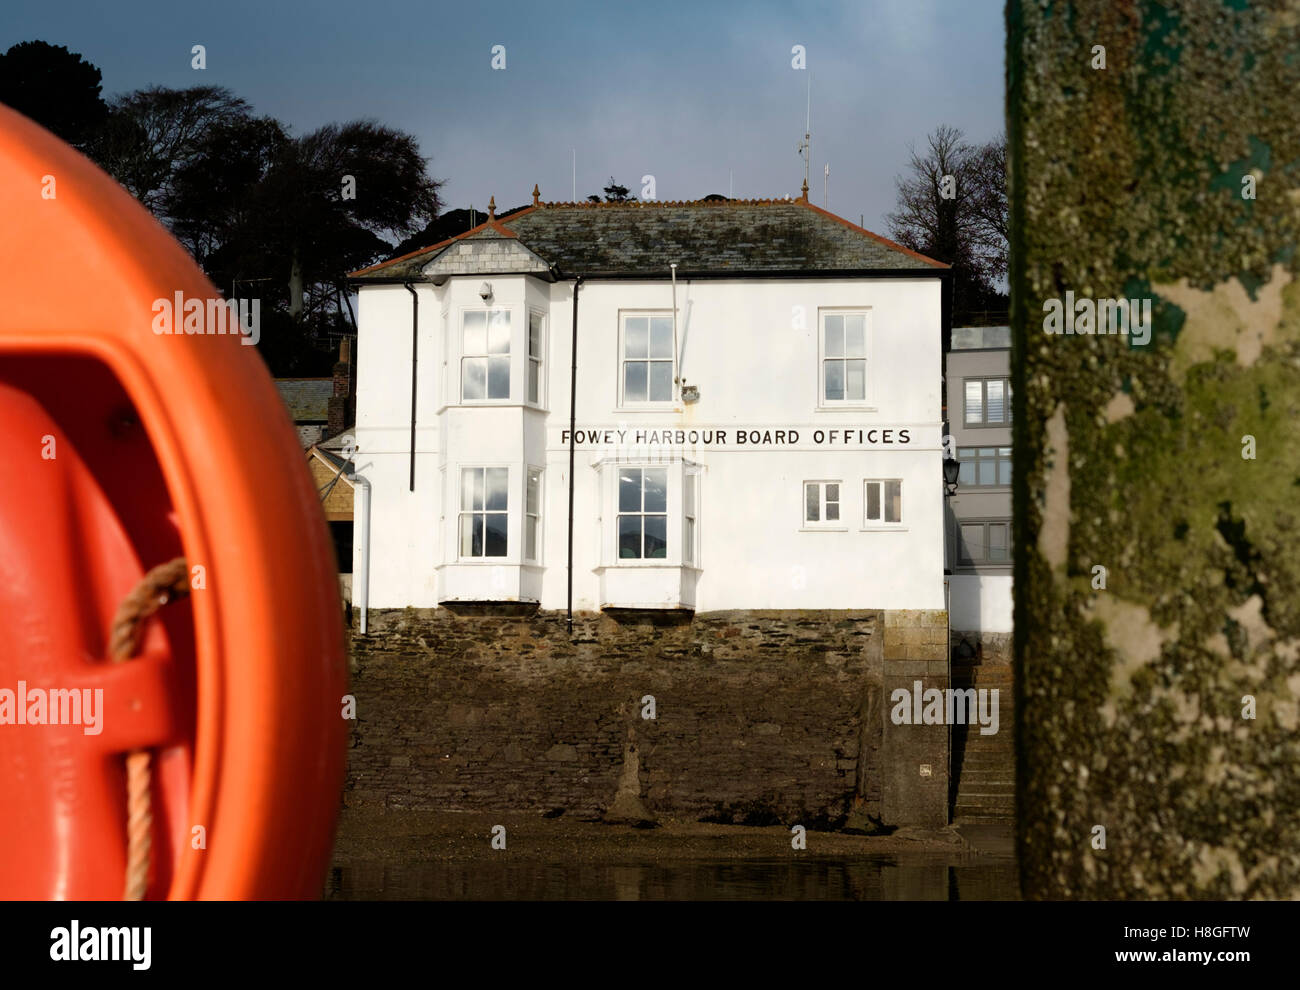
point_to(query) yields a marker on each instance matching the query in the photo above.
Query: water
(801, 878)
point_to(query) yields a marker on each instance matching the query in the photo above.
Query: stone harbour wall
(760, 716)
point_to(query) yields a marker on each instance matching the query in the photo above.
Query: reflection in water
(805, 878)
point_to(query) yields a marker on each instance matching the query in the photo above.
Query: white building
(764, 432)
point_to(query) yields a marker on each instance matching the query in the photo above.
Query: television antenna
(805, 146)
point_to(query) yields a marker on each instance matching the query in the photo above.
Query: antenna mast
(805, 146)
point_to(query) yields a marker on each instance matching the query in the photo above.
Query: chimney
(342, 404)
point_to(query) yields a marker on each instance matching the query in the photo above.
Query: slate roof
(705, 237)
(308, 399)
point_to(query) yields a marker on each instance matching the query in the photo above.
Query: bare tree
(152, 133)
(989, 202)
(952, 207)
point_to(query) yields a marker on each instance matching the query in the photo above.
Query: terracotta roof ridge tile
(664, 203)
(874, 236)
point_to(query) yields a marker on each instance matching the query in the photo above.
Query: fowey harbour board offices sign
(896, 436)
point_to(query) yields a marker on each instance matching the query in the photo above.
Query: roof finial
(803, 197)
(537, 195)
(492, 204)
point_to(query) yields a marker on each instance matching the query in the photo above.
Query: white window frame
(538, 359)
(462, 512)
(822, 523)
(623, 402)
(691, 483)
(486, 355)
(868, 355)
(533, 515)
(882, 523)
(984, 423)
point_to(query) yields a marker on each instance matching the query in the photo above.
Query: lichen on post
(1155, 193)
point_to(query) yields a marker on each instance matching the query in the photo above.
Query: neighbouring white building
(756, 428)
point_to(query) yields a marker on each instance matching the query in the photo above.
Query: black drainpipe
(415, 332)
(573, 423)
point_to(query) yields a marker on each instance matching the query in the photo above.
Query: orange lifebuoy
(127, 448)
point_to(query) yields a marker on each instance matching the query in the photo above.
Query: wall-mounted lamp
(951, 469)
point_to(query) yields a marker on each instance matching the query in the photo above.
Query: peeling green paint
(1125, 182)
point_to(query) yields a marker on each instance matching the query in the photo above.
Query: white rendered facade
(730, 519)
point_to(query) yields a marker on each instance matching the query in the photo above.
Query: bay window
(484, 511)
(642, 513)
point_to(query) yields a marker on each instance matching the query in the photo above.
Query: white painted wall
(755, 359)
(981, 603)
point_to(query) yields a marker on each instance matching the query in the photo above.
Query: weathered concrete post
(1155, 158)
(914, 747)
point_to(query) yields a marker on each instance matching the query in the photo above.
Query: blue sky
(686, 92)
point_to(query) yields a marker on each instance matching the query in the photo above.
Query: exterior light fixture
(951, 468)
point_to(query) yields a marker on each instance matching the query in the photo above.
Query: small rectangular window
(883, 501)
(984, 467)
(985, 542)
(988, 402)
(821, 502)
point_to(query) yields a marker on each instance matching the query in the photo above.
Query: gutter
(573, 424)
(361, 552)
(653, 276)
(415, 340)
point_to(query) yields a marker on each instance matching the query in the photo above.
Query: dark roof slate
(703, 237)
(308, 399)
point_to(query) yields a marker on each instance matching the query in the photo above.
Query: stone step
(969, 776)
(974, 819)
(998, 750)
(970, 788)
(991, 774)
(1006, 695)
(975, 793)
(1003, 763)
(995, 802)
(978, 676)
